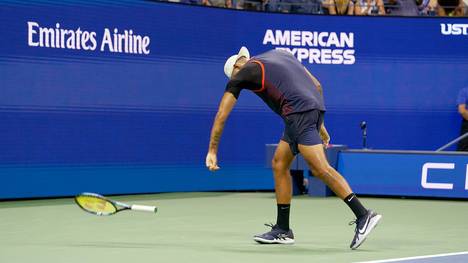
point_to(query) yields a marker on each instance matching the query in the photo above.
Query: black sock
(282, 221)
(353, 202)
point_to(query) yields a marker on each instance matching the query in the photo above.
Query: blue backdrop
(408, 173)
(63, 108)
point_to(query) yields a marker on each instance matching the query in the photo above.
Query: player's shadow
(120, 245)
(303, 249)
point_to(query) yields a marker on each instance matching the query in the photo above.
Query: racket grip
(144, 208)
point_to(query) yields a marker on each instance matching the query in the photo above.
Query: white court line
(418, 257)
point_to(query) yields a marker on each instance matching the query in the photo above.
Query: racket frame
(119, 206)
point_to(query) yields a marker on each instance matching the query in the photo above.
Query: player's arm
(248, 77)
(462, 110)
(324, 135)
(315, 81)
(225, 107)
(323, 131)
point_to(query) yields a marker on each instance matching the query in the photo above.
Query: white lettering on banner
(426, 167)
(314, 47)
(295, 38)
(454, 29)
(125, 41)
(323, 56)
(31, 32)
(466, 178)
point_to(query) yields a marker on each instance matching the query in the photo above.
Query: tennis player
(291, 91)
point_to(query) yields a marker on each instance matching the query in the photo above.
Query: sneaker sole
(371, 226)
(287, 241)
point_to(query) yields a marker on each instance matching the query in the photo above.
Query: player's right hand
(212, 162)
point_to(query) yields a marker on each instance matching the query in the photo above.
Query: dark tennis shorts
(303, 128)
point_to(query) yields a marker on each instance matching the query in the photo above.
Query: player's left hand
(326, 144)
(212, 162)
(324, 136)
(325, 139)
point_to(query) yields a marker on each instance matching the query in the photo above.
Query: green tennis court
(218, 227)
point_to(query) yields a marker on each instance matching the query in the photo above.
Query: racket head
(96, 204)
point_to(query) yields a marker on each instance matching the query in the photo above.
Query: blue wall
(64, 108)
(406, 173)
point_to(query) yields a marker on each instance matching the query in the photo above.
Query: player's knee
(279, 165)
(323, 171)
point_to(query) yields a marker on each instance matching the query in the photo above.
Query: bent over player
(291, 91)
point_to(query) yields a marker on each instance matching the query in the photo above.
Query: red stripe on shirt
(263, 75)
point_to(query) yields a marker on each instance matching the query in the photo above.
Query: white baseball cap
(229, 65)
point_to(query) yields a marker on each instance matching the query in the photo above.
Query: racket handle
(144, 208)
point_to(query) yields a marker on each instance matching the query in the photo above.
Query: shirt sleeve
(461, 99)
(249, 77)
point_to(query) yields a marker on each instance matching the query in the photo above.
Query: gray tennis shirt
(280, 80)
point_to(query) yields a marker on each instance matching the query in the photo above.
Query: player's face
(238, 65)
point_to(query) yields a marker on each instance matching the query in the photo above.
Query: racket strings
(96, 205)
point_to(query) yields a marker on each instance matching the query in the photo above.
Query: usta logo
(454, 29)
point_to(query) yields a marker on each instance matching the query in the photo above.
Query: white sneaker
(364, 226)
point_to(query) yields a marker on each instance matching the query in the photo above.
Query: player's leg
(283, 186)
(366, 220)
(280, 164)
(315, 157)
(280, 232)
(307, 126)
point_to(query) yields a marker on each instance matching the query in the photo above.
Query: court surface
(218, 227)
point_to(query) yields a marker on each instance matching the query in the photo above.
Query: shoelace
(269, 225)
(354, 222)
